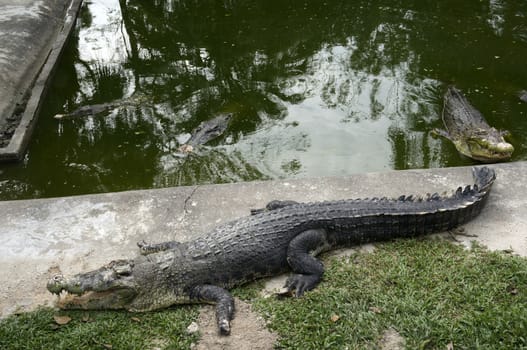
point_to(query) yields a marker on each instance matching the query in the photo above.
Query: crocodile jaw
(486, 150)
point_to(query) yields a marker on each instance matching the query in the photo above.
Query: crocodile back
(256, 246)
(459, 116)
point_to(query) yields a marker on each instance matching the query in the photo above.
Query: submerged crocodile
(469, 131)
(99, 108)
(203, 133)
(285, 235)
(206, 131)
(90, 110)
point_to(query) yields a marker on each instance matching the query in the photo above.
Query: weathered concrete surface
(40, 237)
(32, 36)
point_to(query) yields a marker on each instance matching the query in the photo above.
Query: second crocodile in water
(470, 132)
(285, 235)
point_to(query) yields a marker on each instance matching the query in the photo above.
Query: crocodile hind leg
(224, 304)
(307, 269)
(272, 205)
(150, 248)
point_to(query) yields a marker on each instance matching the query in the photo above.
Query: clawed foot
(147, 248)
(225, 327)
(144, 248)
(300, 284)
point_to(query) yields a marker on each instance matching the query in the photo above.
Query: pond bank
(32, 36)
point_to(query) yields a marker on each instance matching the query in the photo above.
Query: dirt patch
(33, 295)
(391, 340)
(247, 331)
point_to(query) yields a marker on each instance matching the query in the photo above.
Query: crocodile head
(121, 284)
(209, 130)
(487, 145)
(109, 287)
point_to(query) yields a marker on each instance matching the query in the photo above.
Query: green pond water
(318, 88)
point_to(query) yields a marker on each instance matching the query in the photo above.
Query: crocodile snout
(56, 284)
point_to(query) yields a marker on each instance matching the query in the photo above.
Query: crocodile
(99, 108)
(469, 131)
(90, 110)
(285, 235)
(205, 132)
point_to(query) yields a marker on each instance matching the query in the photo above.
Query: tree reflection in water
(316, 88)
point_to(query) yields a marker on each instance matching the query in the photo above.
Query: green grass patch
(431, 292)
(99, 330)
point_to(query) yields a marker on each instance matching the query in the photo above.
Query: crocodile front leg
(307, 269)
(224, 304)
(148, 248)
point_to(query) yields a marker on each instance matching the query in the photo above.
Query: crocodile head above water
(206, 131)
(485, 145)
(469, 131)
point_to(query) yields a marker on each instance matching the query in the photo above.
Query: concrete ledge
(41, 237)
(34, 36)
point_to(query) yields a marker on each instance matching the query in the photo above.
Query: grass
(432, 292)
(98, 330)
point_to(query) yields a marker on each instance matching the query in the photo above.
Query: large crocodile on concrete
(285, 235)
(470, 132)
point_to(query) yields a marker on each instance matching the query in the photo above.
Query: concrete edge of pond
(34, 36)
(41, 237)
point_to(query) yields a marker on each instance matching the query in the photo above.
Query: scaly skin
(469, 131)
(285, 235)
(206, 131)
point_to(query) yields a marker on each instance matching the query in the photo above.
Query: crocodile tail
(484, 178)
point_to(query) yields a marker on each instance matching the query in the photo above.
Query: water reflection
(341, 99)
(102, 38)
(319, 88)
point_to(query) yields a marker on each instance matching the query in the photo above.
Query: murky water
(315, 89)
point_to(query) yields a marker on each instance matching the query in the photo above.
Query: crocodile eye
(123, 269)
